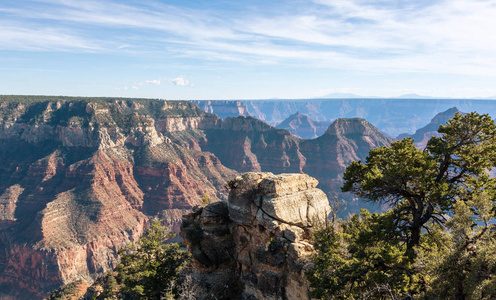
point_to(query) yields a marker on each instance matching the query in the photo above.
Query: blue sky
(248, 49)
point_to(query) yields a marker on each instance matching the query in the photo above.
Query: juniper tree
(149, 266)
(421, 186)
(410, 250)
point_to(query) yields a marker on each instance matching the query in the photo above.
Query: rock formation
(345, 140)
(247, 144)
(79, 177)
(223, 109)
(301, 125)
(257, 245)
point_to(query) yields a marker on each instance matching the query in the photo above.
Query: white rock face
(258, 244)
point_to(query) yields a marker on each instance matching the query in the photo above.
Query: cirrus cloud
(434, 41)
(389, 36)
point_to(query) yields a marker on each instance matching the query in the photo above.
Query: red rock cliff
(79, 179)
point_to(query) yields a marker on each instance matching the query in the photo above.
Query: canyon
(248, 144)
(391, 116)
(81, 177)
(422, 135)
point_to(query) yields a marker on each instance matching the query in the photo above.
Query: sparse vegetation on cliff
(68, 291)
(149, 269)
(149, 266)
(105, 112)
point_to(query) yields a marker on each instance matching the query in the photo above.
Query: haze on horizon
(222, 49)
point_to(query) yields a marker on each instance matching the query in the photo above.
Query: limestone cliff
(223, 109)
(247, 144)
(257, 245)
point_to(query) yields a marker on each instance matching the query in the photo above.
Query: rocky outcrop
(301, 125)
(257, 245)
(327, 157)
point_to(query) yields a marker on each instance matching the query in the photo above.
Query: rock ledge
(257, 245)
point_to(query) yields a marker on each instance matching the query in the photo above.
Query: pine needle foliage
(149, 266)
(437, 240)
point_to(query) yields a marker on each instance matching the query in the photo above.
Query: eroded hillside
(80, 177)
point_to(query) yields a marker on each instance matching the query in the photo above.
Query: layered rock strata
(257, 245)
(79, 179)
(247, 144)
(345, 140)
(223, 109)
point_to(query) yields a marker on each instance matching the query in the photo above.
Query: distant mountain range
(354, 96)
(341, 96)
(405, 96)
(302, 126)
(422, 135)
(413, 96)
(391, 116)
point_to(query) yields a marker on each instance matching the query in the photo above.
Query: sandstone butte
(80, 177)
(257, 245)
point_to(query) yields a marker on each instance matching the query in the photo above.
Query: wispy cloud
(180, 81)
(42, 39)
(386, 36)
